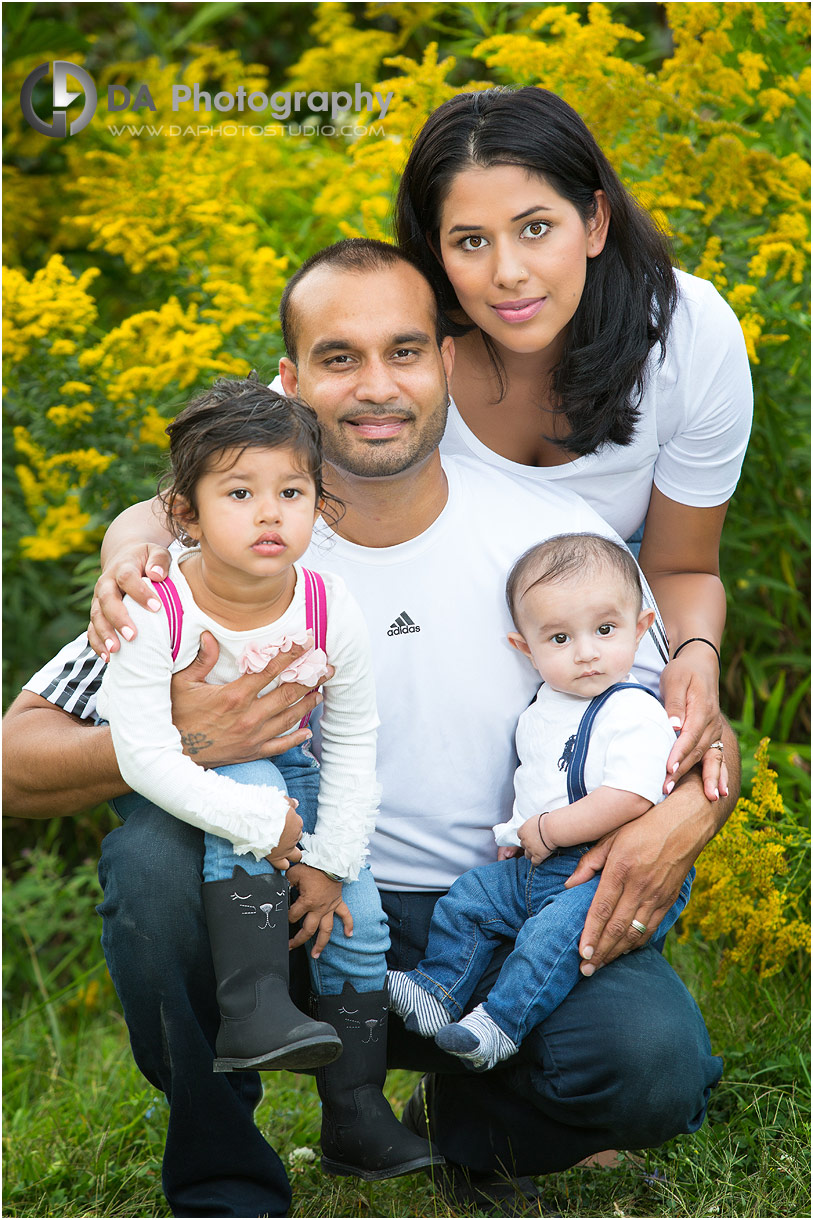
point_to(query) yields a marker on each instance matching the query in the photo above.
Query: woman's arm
(133, 555)
(644, 863)
(680, 559)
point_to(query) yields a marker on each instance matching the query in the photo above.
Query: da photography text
(51, 118)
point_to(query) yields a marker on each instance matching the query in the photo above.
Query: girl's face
(256, 512)
(516, 253)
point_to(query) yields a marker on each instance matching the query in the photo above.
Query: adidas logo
(403, 625)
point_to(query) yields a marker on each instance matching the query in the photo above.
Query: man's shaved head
(354, 254)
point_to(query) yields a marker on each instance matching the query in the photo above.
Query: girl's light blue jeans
(359, 958)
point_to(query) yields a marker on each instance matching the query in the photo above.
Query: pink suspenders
(315, 613)
(168, 594)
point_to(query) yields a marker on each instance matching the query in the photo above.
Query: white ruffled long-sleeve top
(135, 699)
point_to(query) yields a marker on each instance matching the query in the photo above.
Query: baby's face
(581, 634)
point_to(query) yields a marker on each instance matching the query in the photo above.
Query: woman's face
(516, 253)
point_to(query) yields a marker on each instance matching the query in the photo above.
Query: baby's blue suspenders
(575, 774)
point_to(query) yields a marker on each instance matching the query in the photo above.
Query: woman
(582, 356)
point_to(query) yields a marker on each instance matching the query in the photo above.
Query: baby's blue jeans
(528, 904)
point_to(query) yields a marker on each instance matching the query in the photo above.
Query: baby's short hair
(568, 555)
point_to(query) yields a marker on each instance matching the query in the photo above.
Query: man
(425, 548)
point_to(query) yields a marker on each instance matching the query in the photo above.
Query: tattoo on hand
(193, 743)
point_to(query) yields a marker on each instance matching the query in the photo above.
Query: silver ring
(717, 745)
(639, 927)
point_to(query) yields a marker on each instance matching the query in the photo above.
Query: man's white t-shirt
(450, 688)
(630, 740)
(691, 437)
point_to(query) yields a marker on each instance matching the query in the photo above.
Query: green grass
(83, 1132)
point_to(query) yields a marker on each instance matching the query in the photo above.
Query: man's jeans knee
(623, 1062)
(154, 935)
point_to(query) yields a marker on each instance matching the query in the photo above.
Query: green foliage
(703, 108)
(84, 1132)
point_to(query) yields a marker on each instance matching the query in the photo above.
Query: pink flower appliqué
(309, 669)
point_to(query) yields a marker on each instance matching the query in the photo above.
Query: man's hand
(131, 571)
(644, 863)
(319, 900)
(229, 723)
(286, 852)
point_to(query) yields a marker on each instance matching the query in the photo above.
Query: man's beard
(374, 459)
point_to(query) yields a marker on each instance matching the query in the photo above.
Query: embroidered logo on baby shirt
(567, 753)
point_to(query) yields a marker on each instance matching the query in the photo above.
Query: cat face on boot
(267, 904)
(368, 1029)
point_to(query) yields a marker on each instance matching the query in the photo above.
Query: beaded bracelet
(699, 639)
(539, 831)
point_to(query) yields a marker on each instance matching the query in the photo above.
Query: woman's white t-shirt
(691, 437)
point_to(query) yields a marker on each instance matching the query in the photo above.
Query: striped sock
(421, 1012)
(478, 1039)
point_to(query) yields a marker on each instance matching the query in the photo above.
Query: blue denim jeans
(156, 946)
(515, 900)
(295, 772)
(623, 1062)
(216, 1162)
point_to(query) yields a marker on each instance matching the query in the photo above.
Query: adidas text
(403, 625)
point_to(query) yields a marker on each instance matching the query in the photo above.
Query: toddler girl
(245, 491)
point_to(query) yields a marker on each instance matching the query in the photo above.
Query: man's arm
(644, 863)
(55, 764)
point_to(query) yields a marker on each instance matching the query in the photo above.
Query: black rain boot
(361, 1137)
(260, 1027)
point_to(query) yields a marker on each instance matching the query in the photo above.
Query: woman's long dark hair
(630, 290)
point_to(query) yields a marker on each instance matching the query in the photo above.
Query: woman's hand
(689, 689)
(319, 900)
(643, 865)
(131, 570)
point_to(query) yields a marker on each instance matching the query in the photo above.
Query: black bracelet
(699, 639)
(539, 831)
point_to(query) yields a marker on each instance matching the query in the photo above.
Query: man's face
(369, 365)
